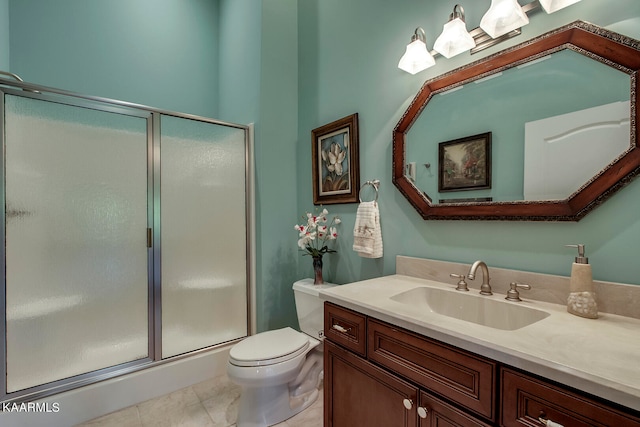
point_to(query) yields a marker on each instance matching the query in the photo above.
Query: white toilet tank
(309, 306)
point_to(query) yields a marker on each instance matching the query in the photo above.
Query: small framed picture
(465, 163)
(335, 168)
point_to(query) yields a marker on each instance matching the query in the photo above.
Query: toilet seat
(268, 348)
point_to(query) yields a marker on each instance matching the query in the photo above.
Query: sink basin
(471, 308)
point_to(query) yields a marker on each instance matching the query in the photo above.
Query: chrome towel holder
(375, 184)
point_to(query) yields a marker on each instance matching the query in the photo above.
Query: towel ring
(375, 184)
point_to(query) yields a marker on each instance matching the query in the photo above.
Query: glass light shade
(416, 58)
(551, 6)
(454, 39)
(503, 16)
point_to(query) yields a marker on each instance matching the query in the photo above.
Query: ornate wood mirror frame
(601, 45)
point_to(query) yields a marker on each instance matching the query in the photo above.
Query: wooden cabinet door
(358, 393)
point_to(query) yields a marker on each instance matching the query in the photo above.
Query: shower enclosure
(125, 235)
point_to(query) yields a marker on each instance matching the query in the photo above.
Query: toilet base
(266, 406)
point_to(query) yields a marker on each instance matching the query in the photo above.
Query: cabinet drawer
(345, 327)
(439, 413)
(525, 399)
(462, 377)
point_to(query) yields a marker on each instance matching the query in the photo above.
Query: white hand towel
(367, 234)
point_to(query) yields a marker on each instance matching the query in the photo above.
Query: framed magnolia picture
(465, 163)
(335, 168)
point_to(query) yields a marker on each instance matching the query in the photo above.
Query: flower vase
(317, 269)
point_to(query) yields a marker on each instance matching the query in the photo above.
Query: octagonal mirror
(545, 130)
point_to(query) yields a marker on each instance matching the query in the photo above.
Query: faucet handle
(513, 294)
(462, 284)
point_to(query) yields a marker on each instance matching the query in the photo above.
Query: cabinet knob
(422, 412)
(408, 403)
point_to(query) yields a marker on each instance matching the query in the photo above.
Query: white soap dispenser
(582, 295)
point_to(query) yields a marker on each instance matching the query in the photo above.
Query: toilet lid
(269, 347)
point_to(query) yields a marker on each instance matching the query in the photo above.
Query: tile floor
(212, 403)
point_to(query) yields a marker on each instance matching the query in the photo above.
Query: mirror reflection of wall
(564, 152)
(554, 86)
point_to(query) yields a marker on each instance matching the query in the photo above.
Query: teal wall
(240, 26)
(259, 84)
(258, 68)
(4, 35)
(276, 156)
(289, 66)
(159, 53)
(348, 63)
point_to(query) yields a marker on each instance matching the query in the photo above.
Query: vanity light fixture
(551, 6)
(502, 17)
(455, 38)
(416, 58)
(502, 21)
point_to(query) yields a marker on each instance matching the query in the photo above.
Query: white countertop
(599, 356)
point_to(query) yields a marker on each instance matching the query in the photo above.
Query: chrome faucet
(485, 289)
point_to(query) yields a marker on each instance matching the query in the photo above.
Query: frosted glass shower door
(204, 237)
(76, 243)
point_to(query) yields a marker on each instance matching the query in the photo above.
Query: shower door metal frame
(154, 273)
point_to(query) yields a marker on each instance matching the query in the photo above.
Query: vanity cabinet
(359, 393)
(377, 374)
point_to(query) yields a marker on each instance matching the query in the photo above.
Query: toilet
(280, 371)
